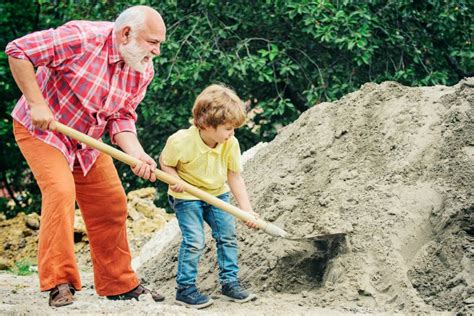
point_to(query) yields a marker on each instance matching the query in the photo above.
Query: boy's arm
(239, 190)
(178, 187)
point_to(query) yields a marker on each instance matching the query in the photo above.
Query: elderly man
(90, 76)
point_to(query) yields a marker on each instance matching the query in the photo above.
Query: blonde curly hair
(218, 105)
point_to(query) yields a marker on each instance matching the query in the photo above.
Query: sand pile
(391, 165)
(19, 235)
(18, 240)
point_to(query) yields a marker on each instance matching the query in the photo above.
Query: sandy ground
(20, 296)
(390, 166)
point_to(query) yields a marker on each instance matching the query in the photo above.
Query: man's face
(144, 44)
(135, 55)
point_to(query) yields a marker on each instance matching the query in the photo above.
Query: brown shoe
(135, 293)
(61, 295)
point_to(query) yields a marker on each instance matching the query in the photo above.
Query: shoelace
(238, 289)
(194, 294)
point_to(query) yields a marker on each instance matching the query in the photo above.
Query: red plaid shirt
(85, 82)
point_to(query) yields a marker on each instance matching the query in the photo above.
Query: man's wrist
(37, 104)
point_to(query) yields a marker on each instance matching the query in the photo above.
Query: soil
(390, 166)
(393, 168)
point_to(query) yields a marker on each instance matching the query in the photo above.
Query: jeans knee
(194, 245)
(228, 238)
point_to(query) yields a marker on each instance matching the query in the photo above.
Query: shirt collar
(203, 148)
(114, 54)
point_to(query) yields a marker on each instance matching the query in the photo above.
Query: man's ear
(124, 34)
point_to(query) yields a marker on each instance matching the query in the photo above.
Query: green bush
(281, 56)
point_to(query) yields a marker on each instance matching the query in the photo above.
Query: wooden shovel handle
(169, 179)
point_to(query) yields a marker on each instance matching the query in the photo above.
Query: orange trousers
(101, 198)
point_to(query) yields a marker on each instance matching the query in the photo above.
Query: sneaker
(191, 297)
(234, 292)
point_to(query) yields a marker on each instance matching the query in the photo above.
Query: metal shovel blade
(317, 237)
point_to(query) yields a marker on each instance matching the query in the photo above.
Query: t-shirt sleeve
(234, 162)
(170, 154)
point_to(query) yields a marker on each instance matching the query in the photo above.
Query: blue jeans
(191, 215)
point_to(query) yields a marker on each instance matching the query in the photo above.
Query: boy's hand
(251, 224)
(178, 187)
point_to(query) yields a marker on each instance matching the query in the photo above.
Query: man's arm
(23, 72)
(49, 48)
(129, 143)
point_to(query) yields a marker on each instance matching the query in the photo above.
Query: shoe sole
(195, 306)
(61, 305)
(251, 297)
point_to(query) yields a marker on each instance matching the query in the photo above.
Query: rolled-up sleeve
(51, 48)
(124, 120)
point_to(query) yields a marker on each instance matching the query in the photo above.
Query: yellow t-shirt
(200, 165)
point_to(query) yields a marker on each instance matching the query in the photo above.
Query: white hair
(134, 17)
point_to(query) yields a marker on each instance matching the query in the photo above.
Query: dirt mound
(18, 239)
(392, 166)
(19, 235)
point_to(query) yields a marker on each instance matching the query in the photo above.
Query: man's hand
(42, 117)
(129, 143)
(23, 72)
(146, 169)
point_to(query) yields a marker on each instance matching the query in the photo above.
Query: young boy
(207, 155)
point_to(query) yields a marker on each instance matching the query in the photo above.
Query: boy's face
(221, 133)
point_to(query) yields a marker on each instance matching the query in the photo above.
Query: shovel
(268, 228)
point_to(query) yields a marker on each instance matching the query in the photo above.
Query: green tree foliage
(282, 56)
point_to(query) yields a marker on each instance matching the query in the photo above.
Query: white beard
(135, 56)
